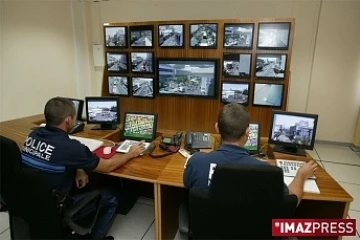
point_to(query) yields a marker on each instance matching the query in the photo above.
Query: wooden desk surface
(168, 170)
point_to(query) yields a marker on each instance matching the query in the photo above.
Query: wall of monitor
(187, 70)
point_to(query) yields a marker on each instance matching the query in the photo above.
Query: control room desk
(166, 176)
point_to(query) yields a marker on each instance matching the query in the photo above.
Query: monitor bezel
(272, 78)
(81, 107)
(114, 94)
(136, 138)
(230, 76)
(239, 24)
(234, 82)
(122, 53)
(296, 114)
(132, 87)
(183, 35)
(258, 139)
(273, 48)
(139, 28)
(126, 36)
(152, 60)
(268, 106)
(216, 76)
(113, 98)
(204, 47)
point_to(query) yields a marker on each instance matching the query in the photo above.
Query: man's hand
(81, 178)
(137, 149)
(308, 169)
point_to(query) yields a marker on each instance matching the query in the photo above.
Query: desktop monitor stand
(104, 127)
(289, 150)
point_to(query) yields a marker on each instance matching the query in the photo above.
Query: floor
(339, 161)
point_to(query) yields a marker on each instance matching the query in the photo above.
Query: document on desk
(310, 185)
(92, 144)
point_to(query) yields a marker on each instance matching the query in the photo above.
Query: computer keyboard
(127, 144)
(92, 144)
(290, 167)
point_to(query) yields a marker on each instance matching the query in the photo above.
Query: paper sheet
(310, 185)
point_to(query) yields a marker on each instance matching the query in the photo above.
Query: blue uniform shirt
(199, 168)
(50, 150)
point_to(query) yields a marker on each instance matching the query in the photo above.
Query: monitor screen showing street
(236, 65)
(268, 94)
(187, 77)
(117, 62)
(115, 36)
(139, 126)
(233, 92)
(270, 65)
(203, 35)
(238, 35)
(274, 35)
(118, 85)
(141, 36)
(142, 62)
(143, 87)
(171, 35)
(293, 129)
(102, 111)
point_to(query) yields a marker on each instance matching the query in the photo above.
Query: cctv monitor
(103, 111)
(292, 132)
(253, 142)
(139, 126)
(187, 77)
(236, 65)
(118, 85)
(79, 105)
(141, 36)
(235, 92)
(171, 35)
(238, 35)
(142, 62)
(268, 95)
(203, 35)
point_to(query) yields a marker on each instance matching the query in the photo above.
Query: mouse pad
(100, 154)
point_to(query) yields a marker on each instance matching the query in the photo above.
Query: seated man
(233, 126)
(63, 162)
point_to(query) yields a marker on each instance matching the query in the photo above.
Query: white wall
(38, 57)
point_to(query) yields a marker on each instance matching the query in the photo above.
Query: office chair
(33, 211)
(240, 204)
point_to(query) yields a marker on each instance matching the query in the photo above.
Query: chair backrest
(241, 203)
(28, 197)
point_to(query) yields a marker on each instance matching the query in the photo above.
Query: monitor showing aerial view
(102, 111)
(141, 36)
(118, 85)
(115, 37)
(236, 65)
(171, 35)
(203, 35)
(117, 62)
(238, 35)
(234, 92)
(187, 77)
(139, 125)
(143, 87)
(142, 62)
(270, 65)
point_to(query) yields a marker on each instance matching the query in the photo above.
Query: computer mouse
(107, 150)
(43, 125)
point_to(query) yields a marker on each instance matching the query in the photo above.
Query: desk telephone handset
(194, 141)
(169, 144)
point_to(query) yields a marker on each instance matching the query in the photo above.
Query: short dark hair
(233, 120)
(57, 109)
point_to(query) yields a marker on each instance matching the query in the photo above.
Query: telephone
(78, 127)
(194, 141)
(169, 144)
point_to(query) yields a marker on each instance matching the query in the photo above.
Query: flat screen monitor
(238, 35)
(115, 36)
(235, 92)
(143, 87)
(188, 77)
(79, 106)
(141, 36)
(253, 142)
(203, 35)
(236, 65)
(118, 85)
(171, 35)
(292, 132)
(139, 126)
(271, 66)
(117, 62)
(142, 62)
(103, 111)
(273, 35)
(268, 94)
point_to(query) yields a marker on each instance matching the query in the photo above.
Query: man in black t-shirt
(63, 161)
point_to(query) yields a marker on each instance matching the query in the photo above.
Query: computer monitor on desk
(253, 142)
(79, 106)
(103, 111)
(293, 132)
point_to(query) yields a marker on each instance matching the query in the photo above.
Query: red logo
(314, 227)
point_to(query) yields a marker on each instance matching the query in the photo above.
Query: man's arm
(297, 185)
(109, 165)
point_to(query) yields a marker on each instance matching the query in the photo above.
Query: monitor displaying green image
(141, 126)
(252, 145)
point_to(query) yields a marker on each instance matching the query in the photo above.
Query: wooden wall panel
(192, 113)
